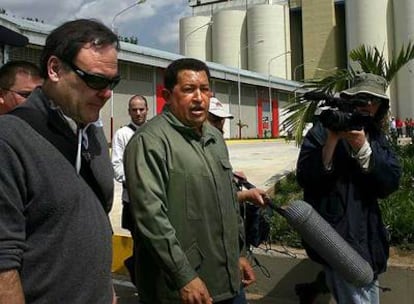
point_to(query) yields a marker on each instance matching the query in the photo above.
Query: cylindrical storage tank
(267, 22)
(366, 23)
(403, 88)
(229, 38)
(195, 37)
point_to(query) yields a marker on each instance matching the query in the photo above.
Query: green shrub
(398, 208)
(286, 190)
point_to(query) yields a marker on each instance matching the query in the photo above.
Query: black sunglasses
(94, 81)
(23, 94)
(362, 100)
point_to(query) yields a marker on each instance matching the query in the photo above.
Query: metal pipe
(112, 92)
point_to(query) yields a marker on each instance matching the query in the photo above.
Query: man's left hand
(247, 273)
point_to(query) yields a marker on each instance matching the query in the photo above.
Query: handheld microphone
(323, 238)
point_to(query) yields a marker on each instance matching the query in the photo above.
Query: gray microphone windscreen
(321, 236)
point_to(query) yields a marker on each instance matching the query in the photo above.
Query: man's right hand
(11, 290)
(195, 292)
(254, 195)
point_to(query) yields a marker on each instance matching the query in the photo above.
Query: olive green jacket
(186, 210)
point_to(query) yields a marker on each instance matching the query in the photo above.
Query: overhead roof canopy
(9, 37)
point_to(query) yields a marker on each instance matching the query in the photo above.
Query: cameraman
(343, 174)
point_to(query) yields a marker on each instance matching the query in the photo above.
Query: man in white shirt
(137, 110)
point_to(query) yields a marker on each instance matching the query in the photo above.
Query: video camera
(340, 114)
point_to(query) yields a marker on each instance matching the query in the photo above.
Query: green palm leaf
(370, 59)
(298, 114)
(396, 63)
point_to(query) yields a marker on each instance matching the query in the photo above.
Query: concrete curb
(253, 140)
(121, 249)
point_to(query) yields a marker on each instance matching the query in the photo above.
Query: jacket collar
(206, 132)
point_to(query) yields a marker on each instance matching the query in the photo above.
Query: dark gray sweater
(53, 227)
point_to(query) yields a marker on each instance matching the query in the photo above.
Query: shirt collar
(206, 131)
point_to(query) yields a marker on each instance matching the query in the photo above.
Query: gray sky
(154, 22)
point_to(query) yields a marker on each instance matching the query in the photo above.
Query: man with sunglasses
(17, 80)
(343, 174)
(56, 181)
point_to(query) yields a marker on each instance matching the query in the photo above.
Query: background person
(343, 174)
(399, 124)
(393, 128)
(407, 125)
(216, 117)
(56, 180)
(17, 80)
(137, 110)
(183, 199)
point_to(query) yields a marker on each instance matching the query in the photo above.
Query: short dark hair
(171, 73)
(66, 40)
(9, 70)
(139, 97)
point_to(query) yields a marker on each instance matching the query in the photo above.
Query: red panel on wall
(160, 100)
(275, 118)
(260, 118)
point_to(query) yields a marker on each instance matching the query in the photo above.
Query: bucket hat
(368, 83)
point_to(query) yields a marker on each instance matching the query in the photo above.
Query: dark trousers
(128, 223)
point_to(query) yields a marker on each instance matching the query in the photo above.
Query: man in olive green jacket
(180, 182)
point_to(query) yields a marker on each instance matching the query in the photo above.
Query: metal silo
(195, 37)
(403, 85)
(268, 23)
(229, 37)
(366, 23)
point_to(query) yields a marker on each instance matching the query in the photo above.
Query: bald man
(137, 110)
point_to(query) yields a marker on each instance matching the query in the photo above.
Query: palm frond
(395, 64)
(370, 59)
(298, 114)
(333, 83)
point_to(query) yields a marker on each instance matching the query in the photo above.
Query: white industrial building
(300, 39)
